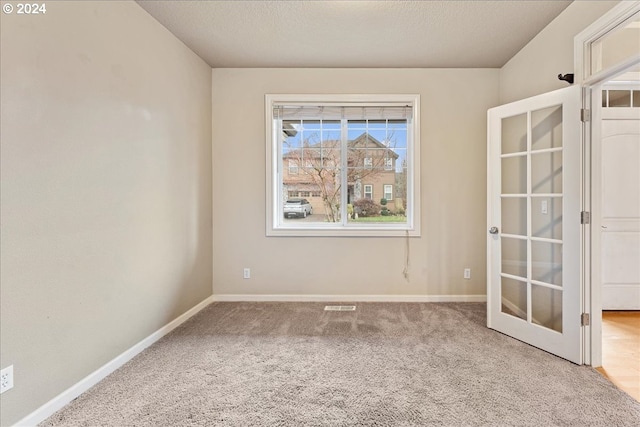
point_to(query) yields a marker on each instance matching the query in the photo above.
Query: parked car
(297, 207)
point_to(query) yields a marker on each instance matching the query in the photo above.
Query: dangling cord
(405, 272)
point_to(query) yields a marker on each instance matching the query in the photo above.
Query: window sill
(342, 231)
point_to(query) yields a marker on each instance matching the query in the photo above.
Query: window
(368, 192)
(615, 46)
(623, 96)
(339, 149)
(293, 167)
(388, 192)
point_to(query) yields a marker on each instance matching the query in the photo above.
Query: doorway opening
(608, 69)
(616, 224)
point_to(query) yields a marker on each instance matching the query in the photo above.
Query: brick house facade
(312, 172)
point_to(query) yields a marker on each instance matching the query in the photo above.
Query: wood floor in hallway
(621, 350)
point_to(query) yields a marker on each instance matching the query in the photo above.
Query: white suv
(297, 207)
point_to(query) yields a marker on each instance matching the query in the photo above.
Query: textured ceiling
(372, 34)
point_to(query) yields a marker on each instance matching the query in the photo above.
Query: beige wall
(453, 182)
(535, 68)
(106, 190)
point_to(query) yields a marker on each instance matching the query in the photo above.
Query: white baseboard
(58, 402)
(345, 298)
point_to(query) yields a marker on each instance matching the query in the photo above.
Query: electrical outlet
(467, 273)
(246, 273)
(6, 379)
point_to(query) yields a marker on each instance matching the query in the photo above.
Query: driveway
(309, 218)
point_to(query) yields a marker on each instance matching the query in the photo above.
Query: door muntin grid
(531, 200)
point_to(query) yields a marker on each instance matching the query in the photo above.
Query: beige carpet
(386, 364)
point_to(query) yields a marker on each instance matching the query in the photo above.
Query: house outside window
(339, 151)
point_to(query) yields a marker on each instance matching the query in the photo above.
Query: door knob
(493, 230)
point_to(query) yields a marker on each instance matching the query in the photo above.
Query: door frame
(592, 294)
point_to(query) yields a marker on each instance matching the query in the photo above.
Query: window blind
(331, 112)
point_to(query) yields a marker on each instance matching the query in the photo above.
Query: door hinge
(585, 115)
(585, 319)
(585, 217)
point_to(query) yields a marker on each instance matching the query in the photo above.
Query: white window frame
(275, 226)
(388, 164)
(368, 162)
(367, 189)
(384, 192)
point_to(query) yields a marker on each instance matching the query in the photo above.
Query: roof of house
(365, 140)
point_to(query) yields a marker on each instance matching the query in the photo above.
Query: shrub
(385, 211)
(366, 207)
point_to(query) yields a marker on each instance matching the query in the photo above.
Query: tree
(401, 183)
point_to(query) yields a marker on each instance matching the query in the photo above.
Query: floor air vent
(339, 308)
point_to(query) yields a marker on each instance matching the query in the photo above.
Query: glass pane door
(531, 220)
(534, 242)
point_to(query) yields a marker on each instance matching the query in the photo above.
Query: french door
(534, 223)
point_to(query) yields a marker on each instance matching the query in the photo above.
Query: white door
(534, 175)
(618, 216)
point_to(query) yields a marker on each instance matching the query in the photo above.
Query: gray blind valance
(339, 112)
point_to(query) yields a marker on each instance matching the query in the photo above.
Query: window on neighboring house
(368, 191)
(293, 167)
(388, 192)
(292, 194)
(340, 147)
